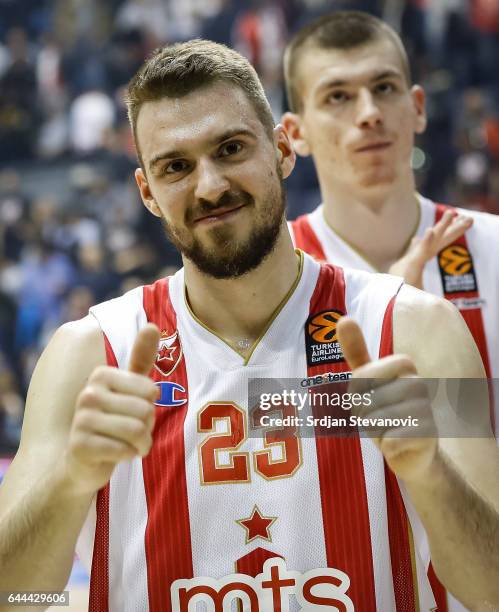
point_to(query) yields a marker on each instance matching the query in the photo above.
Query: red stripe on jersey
(341, 473)
(168, 536)
(98, 600)
(386, 341)
(99, 578)
(400, 546)
(438, 589)
(398, 523)
(472, 316)
(306, 239)
(252, 563)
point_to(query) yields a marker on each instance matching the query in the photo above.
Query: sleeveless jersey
(466, 273)
(216, 510)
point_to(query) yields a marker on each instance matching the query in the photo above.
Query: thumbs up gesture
(114, 417)
(396, 393)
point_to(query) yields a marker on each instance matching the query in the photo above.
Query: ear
(418, 98)
(145, 193)
(286, 155)
(293, 125)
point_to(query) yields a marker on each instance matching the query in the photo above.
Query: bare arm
(81, 419)
(39, 517)
(457, 496)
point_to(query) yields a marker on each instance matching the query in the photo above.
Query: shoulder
(60, 374)
(433, 333)
(63, 369)
(300, 220)
(485, 225)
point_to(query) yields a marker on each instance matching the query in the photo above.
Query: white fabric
(483, 243)
(215, 372)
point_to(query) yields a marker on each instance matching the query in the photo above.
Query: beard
(226, 257)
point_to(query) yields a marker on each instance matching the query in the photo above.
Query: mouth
(374, 146)
(218, 214)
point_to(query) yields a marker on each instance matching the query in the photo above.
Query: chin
(378, 180)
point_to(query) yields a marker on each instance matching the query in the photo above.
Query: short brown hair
(179, 69)
(338, 30)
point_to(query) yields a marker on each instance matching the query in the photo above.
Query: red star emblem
(257, 526)
(166, 352)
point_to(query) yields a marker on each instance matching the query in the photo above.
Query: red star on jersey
(257, 526)
(166, 353)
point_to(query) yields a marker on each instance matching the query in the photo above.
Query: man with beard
(138, 437)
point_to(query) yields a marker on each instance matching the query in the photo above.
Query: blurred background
(72, 229)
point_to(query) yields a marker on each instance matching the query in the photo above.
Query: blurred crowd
(72, 231)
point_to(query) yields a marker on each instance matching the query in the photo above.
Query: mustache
(228, 199)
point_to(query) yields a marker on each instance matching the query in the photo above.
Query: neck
(239, 309)
(378, 225)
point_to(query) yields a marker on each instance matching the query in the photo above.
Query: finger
(121, 381)
(125, 404)
(376, 373)
(352, 343)
(144, 350)
(132, 431)
(97, 449)
(456, 230)
(396, 392)
(444, 223)
(424, 251)
(410, 418)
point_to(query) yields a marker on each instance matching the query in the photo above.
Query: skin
(83, 417)
(210, 165)
(353, 99)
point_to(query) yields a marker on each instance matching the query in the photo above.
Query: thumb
(144, 350)
(352, 343)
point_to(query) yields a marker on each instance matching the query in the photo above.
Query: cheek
(325, 137)
(172, 202)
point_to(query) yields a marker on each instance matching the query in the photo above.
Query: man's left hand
(397, 392)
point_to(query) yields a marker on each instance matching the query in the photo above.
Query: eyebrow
(374, 79)
(176, 153)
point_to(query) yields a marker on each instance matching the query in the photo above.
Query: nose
(368, 112)
(211, 182)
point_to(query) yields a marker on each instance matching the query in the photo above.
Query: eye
(176, 166)
(384, 88)
(338, 97)
(230, 148)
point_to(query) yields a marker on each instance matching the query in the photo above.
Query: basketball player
(180, 502)
(355, 110)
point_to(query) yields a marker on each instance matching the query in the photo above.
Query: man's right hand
(411, 265)
(114, 417)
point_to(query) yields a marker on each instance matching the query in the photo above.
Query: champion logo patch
(321, 340)
(171, 394)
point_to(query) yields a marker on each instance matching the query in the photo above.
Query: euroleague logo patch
(169, 353)
(456, 269)
(321, 340)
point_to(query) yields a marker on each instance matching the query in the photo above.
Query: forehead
(195, 120)
(318, 66)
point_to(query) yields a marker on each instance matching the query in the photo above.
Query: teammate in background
(355, 110)
(170, 500)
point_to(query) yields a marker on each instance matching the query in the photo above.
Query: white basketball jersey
(216, 510)
(466, 273)
(472, 283)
